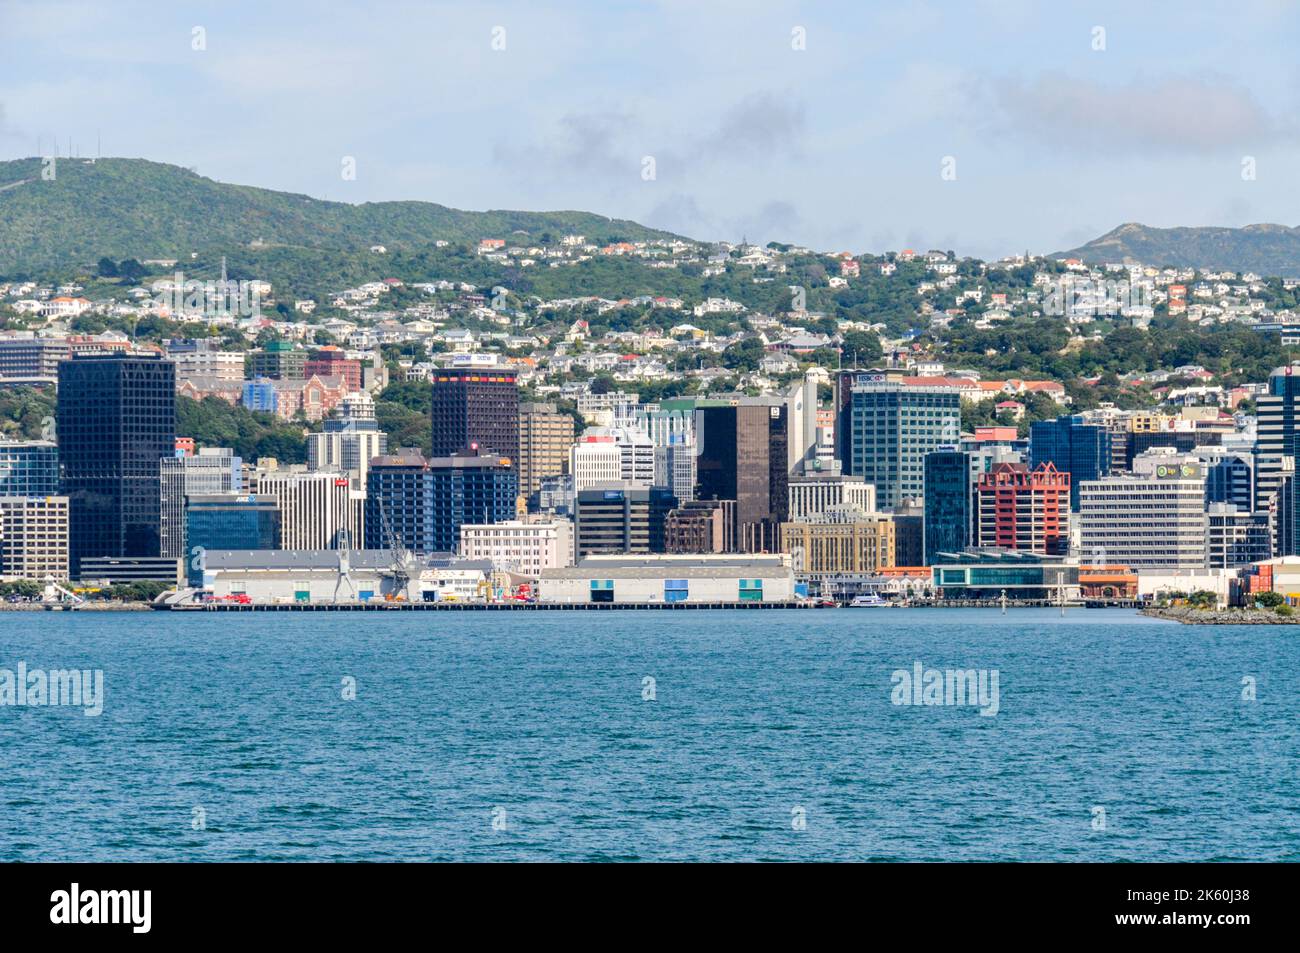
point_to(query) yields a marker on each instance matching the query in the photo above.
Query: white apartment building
(33, 537)
(347, 450)
(604, 455)
(214, 365)
(519, 547)
(318, 510)
(594, 461)
(675, 469)
(811, 496)
(1152, 519)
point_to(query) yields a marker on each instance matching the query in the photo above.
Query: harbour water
(651, 736)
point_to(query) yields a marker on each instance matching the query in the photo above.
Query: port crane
(404, 565)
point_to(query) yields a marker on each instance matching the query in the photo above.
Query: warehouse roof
(326, 559)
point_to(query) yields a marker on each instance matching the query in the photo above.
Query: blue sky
(839, 145)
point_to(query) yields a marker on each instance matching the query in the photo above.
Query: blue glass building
(228, 521)
(260, 394)
(947, 503)
(29, 468)
(1073, 446)
(424, 501)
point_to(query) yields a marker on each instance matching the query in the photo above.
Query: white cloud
(1181, 114)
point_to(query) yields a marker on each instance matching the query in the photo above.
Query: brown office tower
(700, 526)
(743, 457)
(475, 410)
(545, 437)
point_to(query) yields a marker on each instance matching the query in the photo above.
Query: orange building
(1107, 582)
(1023, 509)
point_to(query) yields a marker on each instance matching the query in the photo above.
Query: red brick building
(1023, 509)
(334, 362)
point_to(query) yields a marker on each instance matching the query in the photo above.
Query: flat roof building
(671, 579)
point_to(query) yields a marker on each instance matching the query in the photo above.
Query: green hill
(1263, 249)
(133, 208)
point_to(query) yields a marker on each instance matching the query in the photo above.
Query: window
(676, 590)
(751, 590)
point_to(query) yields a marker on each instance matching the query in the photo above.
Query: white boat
(870, 600)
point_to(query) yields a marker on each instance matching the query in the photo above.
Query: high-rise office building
(545, 437)
(1236, 536)
(593, 459)
(620, 517)
(209, 471)
(1025, 510)
(604, 454)
(1073, 446)
(1229, 476)
(203, 360)
(801, 425)
(29, 468)
(34, 537)
(318, 509)
(349, 441)
(233, 521)
(1181, 441)
(475, 410)
(948, 503)
(423, 502)
(743, 456)
(116, 422)
(1154, 518)
(1278, 424)
(675, 467)
(889, 429)
(670, 422)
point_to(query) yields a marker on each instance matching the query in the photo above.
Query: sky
(989, 127)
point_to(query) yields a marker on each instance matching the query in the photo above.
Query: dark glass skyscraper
(1073, 446)
(947, 503)
(742, 457)
(475, 410)
(116, 421)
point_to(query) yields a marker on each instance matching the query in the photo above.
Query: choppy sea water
(770, 736)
